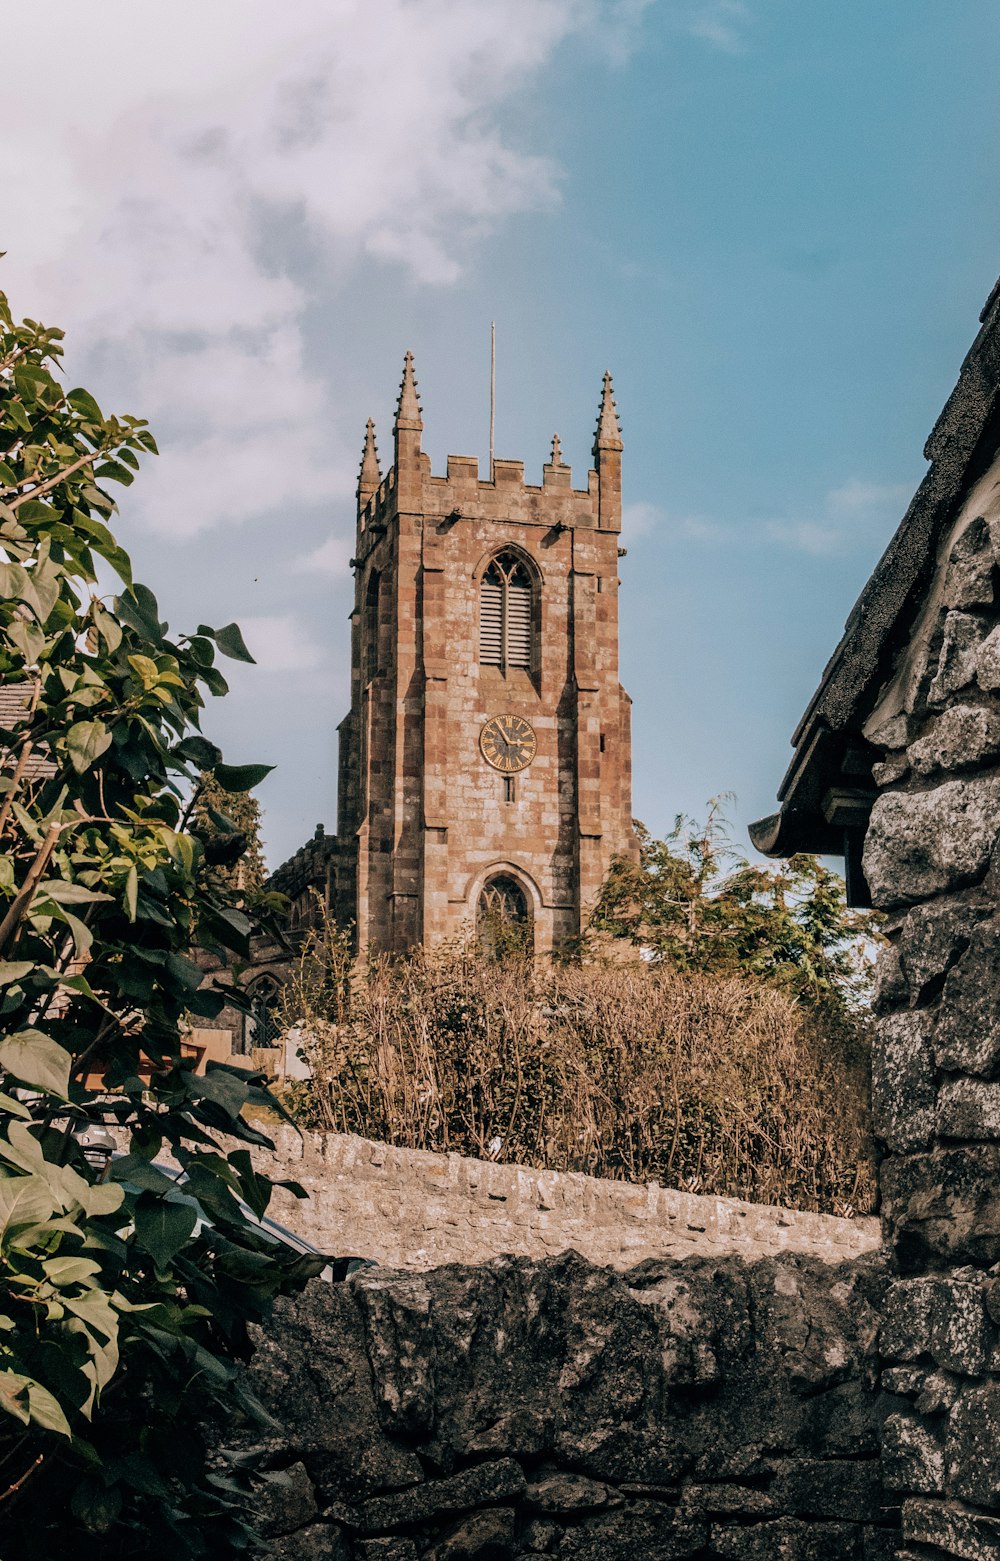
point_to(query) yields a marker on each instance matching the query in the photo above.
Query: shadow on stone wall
(699, 1408)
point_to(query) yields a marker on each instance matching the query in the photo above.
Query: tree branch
(53, 482)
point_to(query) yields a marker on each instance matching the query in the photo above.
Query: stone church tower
(485, 764)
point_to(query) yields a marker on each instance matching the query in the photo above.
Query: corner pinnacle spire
(370, 475)
(408, 405)
(609, 434)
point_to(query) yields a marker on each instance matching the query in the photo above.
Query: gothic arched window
(260, 1025)
(506, 614)
(503, 917)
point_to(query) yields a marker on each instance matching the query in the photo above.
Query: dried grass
(716, 1085)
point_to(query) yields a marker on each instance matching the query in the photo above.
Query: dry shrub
(717, 1085)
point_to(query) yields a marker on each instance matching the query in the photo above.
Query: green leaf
(198, 750)
(66, 893)
(27, 637)
(231, 643)
(83, 402)
(241, 777)
(162, 1227)
(14, 970)
(108, 628)
(86, 741)
(96, 1506)
(44, 1410)
(37, 1061)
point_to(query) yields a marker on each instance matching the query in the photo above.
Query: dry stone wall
(932, 859)
(410, 1209)
(705, 1408)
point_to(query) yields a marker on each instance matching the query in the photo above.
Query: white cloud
(642, 519)
(849, 514)
(332, 559)
(279, 643)
(721, 23)
(180, 143)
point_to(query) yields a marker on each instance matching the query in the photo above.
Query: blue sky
(774, 220)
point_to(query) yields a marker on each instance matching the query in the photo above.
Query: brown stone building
(485, 763)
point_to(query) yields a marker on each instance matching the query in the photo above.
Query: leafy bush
(724, 1085)
(122, 1315)
(692, 903)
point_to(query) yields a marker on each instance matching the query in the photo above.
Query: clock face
(508, 743)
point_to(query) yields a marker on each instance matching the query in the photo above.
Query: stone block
(485, 1483)
(724, 1500)
(638, 1532)
(972, 1445)
(943, 1209)
(285, 1500)
(969, 579)
(317, 1542)
(938, 1392)
(788, 1540)
(943, 1318)
(987, 662)
(967, 1034)
(956, 665)
(891, 770)
(969, 1108)
(957, 1530)
(386, 1550)
(482, 1536)
(931, 939)
(835, 1488)
(912, 1456)
(903, 1086)
(924, 843)
(963, 738)
(561, 1492)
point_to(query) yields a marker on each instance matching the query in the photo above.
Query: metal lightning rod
(493, 389)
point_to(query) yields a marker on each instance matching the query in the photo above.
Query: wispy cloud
(843, 518)
(721, 23)
(153, 212)
(643, 519)
(847, 515)
(331, 560)
(278, 642)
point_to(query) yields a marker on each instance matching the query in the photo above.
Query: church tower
(485, 764)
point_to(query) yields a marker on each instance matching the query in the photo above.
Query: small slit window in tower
(509, 789)
(506, 614)
(372, 626)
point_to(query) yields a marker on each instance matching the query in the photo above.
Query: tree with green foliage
(695, 905)
(228, 825)
(124, 1305)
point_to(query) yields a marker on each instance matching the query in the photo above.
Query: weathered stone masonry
(408, 1208)
(425, 823)
(518, 1409)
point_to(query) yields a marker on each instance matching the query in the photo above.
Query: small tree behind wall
(124, 1305)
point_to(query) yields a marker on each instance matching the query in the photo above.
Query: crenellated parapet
(462, 494)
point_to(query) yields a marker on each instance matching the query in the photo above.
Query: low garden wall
(411, 1209)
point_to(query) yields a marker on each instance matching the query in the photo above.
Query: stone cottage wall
(705, 1409)
(933, 863)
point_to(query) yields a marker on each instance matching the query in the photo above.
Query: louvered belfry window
(506, 614)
